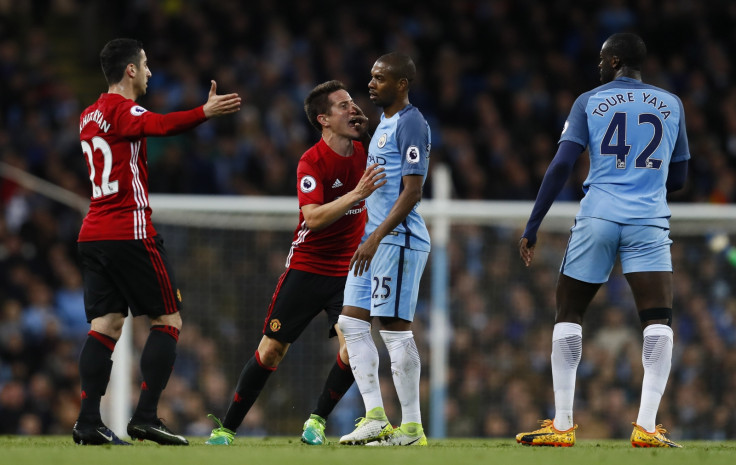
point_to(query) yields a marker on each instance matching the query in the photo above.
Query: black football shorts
(126, 274)
(298, 298)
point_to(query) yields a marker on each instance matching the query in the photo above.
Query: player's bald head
(628, 47)
(399, 65)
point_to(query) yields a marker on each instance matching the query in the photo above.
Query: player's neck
(395, 107)
(628, 73)
(121, 89)
(339, 144)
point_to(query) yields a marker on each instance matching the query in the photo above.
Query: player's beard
(607, 74)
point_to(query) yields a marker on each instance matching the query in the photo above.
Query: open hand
(372, 179)
(218, 105)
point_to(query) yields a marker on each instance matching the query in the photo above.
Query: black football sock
(251, 382)
(338, 382)
(95, 366)
(157, 362)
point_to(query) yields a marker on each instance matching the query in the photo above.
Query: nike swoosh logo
(109, 438)
(378, 305)
(409, 444)
(159, 431)
(538, 435)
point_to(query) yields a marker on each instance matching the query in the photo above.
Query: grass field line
(60, 450)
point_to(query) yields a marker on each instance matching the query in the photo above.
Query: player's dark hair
(318, 102)
(400, 65)
(116, 55)
(630, 49)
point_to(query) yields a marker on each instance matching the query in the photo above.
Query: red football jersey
(323, 176)
(112, 132)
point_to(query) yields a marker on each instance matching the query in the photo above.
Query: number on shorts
(383, 283)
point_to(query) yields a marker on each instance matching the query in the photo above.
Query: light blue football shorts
(390, 287)
(594, 243)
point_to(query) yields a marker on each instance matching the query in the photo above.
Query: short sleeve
(309, 186)
(413, 139)
(576, 124)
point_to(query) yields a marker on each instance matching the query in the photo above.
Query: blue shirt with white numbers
(633, 132)
(401, 145)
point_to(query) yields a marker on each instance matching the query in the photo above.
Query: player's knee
(172, 319)
(350, 325)
(343, 355)
(110, 325)
(270, 358)
(656, 315)
(271, 352)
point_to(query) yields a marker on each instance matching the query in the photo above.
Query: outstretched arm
(554, 180)
(149, 123)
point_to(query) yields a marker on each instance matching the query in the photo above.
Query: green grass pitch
(60, 450)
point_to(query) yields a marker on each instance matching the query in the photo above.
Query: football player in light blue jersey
(388, 264)
(401, 146)
(638, 148)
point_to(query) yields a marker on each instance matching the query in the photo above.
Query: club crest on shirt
(412, 154)
(137, 110)
(275, 325)
(382, 140)
(307, 184)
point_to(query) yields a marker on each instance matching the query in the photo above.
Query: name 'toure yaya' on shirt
(629, 97)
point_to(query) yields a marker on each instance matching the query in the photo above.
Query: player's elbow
(313, 224)
(413, 194)
(677, 176)
(673, 186)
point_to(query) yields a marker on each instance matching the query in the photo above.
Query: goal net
(483, 323)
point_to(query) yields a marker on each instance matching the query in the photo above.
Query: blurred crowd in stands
(496, 80)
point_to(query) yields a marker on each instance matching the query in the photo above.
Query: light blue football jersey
(633, 132)
(401, 145)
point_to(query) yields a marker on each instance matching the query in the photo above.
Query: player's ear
(615, 62)
(403, 84)
(322, 120)
(131, 69)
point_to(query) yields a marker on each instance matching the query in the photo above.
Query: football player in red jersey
(332, 184)
(124, 262)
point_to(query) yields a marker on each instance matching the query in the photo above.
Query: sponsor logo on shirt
(355, 211)
(307, 184)
(336, 184)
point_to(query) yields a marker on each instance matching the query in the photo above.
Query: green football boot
(220, 436)
(314, 431)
